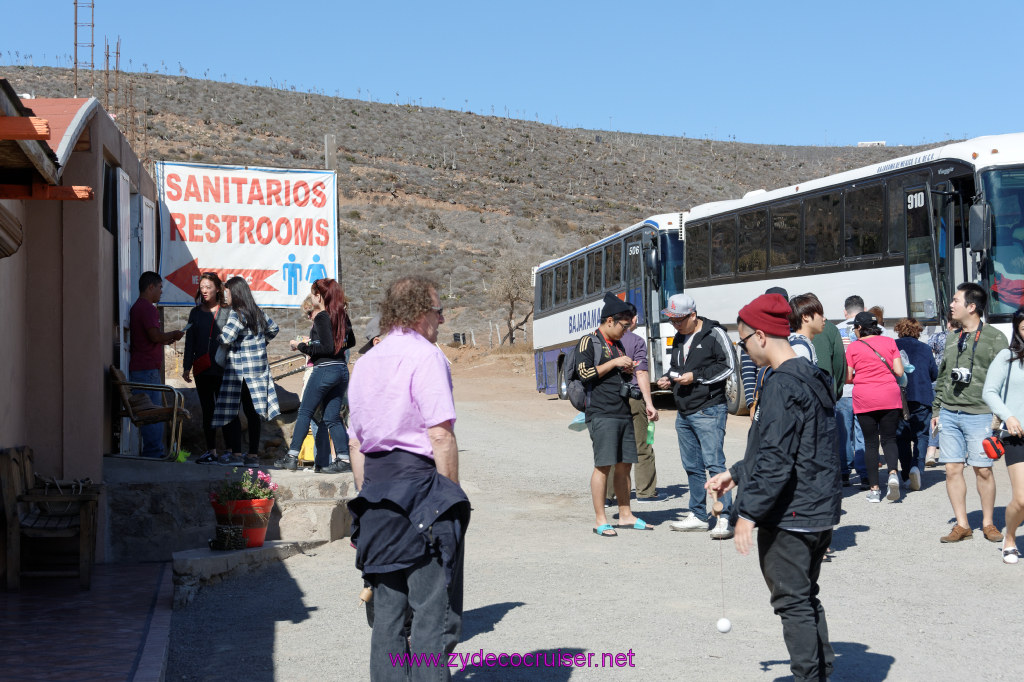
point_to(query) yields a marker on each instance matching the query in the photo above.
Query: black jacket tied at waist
(406, 511)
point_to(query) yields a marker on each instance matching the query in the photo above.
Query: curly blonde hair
(406, 301)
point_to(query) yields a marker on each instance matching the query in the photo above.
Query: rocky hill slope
(453, 194)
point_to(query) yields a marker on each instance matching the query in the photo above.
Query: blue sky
(817, 73)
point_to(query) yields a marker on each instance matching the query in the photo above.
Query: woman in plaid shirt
(247, 379)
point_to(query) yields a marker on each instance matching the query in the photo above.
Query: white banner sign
(275, 227)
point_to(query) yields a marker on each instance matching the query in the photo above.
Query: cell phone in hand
(186, 327)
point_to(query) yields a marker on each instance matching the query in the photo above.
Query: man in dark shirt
(790, 486)
(147, 352)
(642, 409)
(605, 369)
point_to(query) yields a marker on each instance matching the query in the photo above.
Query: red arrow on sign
(186, 277)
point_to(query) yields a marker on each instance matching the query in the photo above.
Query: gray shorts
(613, 440)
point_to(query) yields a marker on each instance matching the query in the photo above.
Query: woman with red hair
(330, 337)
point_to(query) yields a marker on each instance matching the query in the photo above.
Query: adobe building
(77, 228)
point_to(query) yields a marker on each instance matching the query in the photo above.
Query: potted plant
(246, 502)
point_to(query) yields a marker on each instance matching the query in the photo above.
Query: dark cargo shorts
(613, 440)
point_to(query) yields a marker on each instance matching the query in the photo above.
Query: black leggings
(879, 424)
(207, 385)
(233, 429)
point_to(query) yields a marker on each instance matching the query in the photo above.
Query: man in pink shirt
(410, 518)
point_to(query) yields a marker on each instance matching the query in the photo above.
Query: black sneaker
(288, 462)
(229, 459)
(252, 460)
(337, 467)
(207, 458)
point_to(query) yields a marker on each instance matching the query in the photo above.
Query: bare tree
(510, 288)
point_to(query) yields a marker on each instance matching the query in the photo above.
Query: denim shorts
(960, 438)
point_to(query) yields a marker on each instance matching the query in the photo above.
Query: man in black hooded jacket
(790, 484)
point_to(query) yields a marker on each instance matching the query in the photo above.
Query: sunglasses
(743, 342)
(439, 311)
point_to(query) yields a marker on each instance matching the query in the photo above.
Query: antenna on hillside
(90, 6)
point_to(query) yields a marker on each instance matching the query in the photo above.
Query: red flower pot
(252, 515)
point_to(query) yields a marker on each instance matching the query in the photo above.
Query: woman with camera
(1004, 394)
(873, 364)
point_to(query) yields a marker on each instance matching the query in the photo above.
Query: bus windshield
(672, 271)
(1004, 190)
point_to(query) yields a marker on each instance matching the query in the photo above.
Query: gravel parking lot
(901, 606)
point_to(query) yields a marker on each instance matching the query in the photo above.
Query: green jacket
(828, 346)
(967, 398)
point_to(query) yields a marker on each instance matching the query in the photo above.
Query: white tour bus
(901, 234)
(568, 294)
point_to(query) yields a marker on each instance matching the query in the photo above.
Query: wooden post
(330, 152)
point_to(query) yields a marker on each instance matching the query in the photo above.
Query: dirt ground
(901, 606)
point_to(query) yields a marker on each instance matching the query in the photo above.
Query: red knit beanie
(769, 313)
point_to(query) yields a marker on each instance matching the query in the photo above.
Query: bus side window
(785, 238)
(633, 255)
(576, 280)
(752, 250)
(823, 218)
(561, 284)
(613, 265)
(546, 289)
(896, 222)
(865, 218)
(723, 246)
(594, 272)
(697, 252)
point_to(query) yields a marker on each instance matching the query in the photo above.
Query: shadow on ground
(240, 633)
(483, 619)
(556, 672)
(853, 663)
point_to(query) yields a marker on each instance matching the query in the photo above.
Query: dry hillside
(449, 193)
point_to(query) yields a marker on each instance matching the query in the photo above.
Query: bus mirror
(980, 226)
(652, 266)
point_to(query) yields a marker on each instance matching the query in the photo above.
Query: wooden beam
(24, 128)
(39, 191)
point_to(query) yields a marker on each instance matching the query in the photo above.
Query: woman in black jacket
(330, 337)
(203, 328)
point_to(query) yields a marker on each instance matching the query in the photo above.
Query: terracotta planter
(252, 515)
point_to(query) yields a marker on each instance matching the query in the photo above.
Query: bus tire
(734, 392)
(563, 380)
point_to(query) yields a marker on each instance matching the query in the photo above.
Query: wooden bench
(140, 410)
(61, 510)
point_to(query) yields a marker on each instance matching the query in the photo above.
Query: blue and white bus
(901, 234)
(568, 294)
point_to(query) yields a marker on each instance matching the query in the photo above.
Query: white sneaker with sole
(690, 523)
(874, 496)
(894, 487)
(915, 478)
(722, 531)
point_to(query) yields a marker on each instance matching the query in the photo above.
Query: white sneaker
(721, 531)
(690, 523)
(894, 487)
(915, 478)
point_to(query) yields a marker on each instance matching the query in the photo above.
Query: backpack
(577, 393)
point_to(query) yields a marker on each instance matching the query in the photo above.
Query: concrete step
(196, 568)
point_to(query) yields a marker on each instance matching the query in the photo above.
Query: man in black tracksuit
(790, 483)
(702, 360)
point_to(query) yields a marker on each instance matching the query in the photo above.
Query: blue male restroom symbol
(316, 270)
(292, 272)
